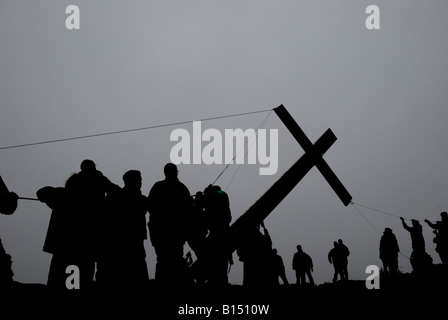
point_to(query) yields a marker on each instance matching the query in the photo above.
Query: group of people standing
(302, 263)
(96, 225)
(101, 227)
(420, 259)
(388, 252)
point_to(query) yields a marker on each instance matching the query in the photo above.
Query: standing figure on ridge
(343, 253)
(302, 264)
(336, 258)
(389, 252)
(278, 268)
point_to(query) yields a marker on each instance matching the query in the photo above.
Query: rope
(384, 212)
(245, 156)
(243, 147)
(373, 227)
(132, 130)
(370, 224)
(25, 198)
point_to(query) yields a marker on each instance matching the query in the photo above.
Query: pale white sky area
(136, 63)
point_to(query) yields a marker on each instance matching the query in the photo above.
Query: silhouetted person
(254, 250)
(389, 252)
(302, 264)
(8, 204)
(420, 260)
(441, 238)
(334, 257)
(169, 204)
(276, 269)
(64, 237)
(218, 216)
(75, 226)
(123, 258)
(344, 253)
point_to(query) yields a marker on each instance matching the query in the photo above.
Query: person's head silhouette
(88, 166)
(170, 171)
(132, 180)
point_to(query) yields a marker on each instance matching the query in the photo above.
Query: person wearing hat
(389, 252)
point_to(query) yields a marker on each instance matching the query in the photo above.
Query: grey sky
(138, 63)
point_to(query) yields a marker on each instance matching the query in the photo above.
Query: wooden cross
(281, 188)
(316, 154)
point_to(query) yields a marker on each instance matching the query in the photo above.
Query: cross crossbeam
(308, 147)
(284, 185)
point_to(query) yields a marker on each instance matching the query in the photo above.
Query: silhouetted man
(389, 252)
(218, 216)
(302, 264)
(123, 252)
(276, 269)
(343, 252)
(64, 237)
(441, 239)
(334, 257)
(169, 204)
(254, 250)
(8, 204)
(419, 258)
(75, 226)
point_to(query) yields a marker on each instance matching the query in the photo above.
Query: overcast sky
(140, 63)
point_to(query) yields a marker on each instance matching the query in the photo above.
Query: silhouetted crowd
(100, 228)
